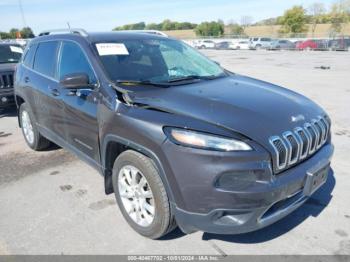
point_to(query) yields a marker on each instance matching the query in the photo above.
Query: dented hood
(248, 106)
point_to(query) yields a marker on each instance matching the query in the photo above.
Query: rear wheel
(141, 195)
(30, 131)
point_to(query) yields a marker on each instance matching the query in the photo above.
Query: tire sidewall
(161, 217)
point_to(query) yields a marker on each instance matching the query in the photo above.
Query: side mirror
(75, 81)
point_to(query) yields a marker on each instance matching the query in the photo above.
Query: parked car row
(256, 43)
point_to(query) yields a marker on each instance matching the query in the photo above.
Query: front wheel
(141, 195)
(30, 131)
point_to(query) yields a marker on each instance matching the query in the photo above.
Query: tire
(258, 47)
(33, 139)
(139, 165)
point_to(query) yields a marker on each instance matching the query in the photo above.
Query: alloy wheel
(27, 127)
(136, 195)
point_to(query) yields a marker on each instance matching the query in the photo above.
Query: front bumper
(7, 98)
(253, 205)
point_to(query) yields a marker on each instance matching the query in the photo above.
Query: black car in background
(10, 54)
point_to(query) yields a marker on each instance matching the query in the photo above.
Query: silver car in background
(282, 45)
(260, 42)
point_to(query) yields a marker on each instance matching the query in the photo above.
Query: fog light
(4, 99)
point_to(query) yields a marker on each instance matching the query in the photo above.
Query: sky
(104, 15)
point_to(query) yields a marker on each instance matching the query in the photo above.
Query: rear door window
(45, 58)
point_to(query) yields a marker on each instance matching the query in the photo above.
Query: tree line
(25, 32)
(166, 25)
(294, 21)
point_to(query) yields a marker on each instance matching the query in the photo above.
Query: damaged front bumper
(262, 206)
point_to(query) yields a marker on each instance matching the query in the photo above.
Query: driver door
(80, 106)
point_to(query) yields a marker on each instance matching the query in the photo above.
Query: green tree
(136, 26)
(168, 25)
(13, 33)
(154, 26)
(294, 20)
(210, 29)
(27, 32)
(235, 29)
(339, 15)
(4, 35)
(316, 11)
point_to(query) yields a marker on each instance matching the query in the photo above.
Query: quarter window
(45, 58)
(29, 56)
(73, 60)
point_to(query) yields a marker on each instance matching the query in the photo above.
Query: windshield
(155, 60)
(10, 53)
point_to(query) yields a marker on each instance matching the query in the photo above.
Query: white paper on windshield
(16, 49)
(111, 49)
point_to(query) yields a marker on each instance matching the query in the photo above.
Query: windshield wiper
(193, 77)
(140, 82)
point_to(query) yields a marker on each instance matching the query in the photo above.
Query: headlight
(205, 141)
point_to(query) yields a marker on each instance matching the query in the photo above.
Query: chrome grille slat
(1, 82)
(293, 146)
(303, 141)
(324, 123)
(6, 80)
(318, 130)
(312, 136)
(281, 159)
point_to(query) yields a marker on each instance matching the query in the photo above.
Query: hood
(248, 106)
(7, 67)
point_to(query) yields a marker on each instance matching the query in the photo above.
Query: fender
(143, 150)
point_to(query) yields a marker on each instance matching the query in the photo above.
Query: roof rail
(153, 32)
(77, 31)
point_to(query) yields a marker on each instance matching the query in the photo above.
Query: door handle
(54, 91)
(26, 79)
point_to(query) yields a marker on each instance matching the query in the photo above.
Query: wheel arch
(113, 146)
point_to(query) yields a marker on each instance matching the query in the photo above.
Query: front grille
(294, 146)
(6, 80)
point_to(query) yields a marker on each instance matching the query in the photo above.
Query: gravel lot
(53, 203)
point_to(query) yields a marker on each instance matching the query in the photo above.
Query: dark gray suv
(178, 139)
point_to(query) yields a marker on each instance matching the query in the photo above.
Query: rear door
(80, 106)
(46, 94)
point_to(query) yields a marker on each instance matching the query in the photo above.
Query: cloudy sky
(102, 15)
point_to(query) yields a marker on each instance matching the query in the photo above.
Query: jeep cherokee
(179, 140)
(10, 54)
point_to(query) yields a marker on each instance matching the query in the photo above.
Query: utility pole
(22, 13)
